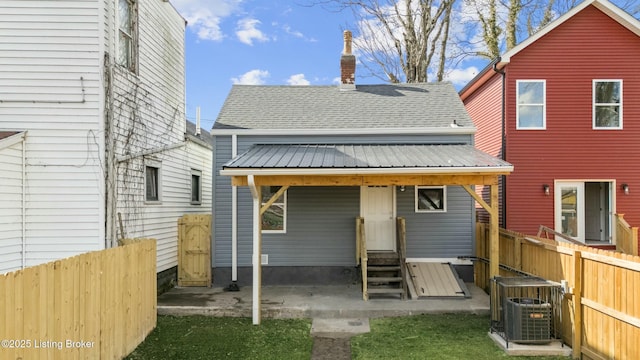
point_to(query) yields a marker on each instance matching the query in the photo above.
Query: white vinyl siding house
(50, 87)
(91, 124)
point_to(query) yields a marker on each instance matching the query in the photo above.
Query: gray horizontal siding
(321, 220)
(438, 235)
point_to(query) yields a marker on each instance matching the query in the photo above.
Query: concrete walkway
(336, 301)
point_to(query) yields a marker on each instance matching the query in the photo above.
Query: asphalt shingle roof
(427, 105)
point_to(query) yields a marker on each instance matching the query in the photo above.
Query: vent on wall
(265, 259)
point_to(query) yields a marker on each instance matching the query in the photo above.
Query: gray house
(309, 181)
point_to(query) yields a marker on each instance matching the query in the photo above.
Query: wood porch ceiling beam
(370, 180)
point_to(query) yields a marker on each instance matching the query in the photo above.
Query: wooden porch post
(494, 234)
(257, 251)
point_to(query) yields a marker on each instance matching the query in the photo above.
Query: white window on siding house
(274, 220)
(127, 34)
(196, 187)
(531, 112)
(153, 178)
(431, 199)
(607, 104)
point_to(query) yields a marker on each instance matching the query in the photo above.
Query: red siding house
(564, 108)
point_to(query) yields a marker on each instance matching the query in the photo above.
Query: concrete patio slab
(336, 301)
(554, 348)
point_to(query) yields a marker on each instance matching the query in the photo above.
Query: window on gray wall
(431, 199)
(274, 220)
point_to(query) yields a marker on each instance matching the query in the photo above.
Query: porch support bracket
(273, 199)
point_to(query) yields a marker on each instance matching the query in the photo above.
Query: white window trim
(444, 199)
(197, 173)
(544, 105)
(158, 165)
(593, 105)
(284, 216)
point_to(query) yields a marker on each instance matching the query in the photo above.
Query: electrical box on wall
(265, 259)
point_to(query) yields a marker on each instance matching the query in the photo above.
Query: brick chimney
(347, 65)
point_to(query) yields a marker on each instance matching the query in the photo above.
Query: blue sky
(262, 42)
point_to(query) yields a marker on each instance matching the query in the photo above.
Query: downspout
(503, 145)
(234, 224)
(24, 200)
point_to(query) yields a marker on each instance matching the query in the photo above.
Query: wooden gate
(194, 250)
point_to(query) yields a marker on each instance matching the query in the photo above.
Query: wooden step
(385, 291)
(381, 279)
(383, 268)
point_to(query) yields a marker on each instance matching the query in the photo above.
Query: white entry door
(377, 207)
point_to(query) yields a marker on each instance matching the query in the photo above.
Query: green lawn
(446, 336)
(201, 337)
(442, 336)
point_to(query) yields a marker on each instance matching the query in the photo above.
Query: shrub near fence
(601, 314)
(98, 305)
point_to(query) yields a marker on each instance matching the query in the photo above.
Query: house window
(152, 182)
(531, 110)
(196, 187)
(274, 220)
(607, 104)
(431, 199)
(127, 37)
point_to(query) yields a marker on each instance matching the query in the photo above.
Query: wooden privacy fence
(626, 236)
(601, 312)
(97, 305)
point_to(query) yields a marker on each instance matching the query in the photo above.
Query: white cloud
(462, 76)
(253, 77)
(204, 16)
(248, 31)
(292, 32)
(298, 79)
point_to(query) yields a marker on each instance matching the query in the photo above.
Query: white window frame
(131, 60)
(157, 165)
(543, 104)
(595, 105)
(198, 174)
(284, 215)
(444, 199)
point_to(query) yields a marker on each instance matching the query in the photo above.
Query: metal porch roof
(362, 158)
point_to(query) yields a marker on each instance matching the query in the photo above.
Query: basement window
(431, 199)
(274, 220)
